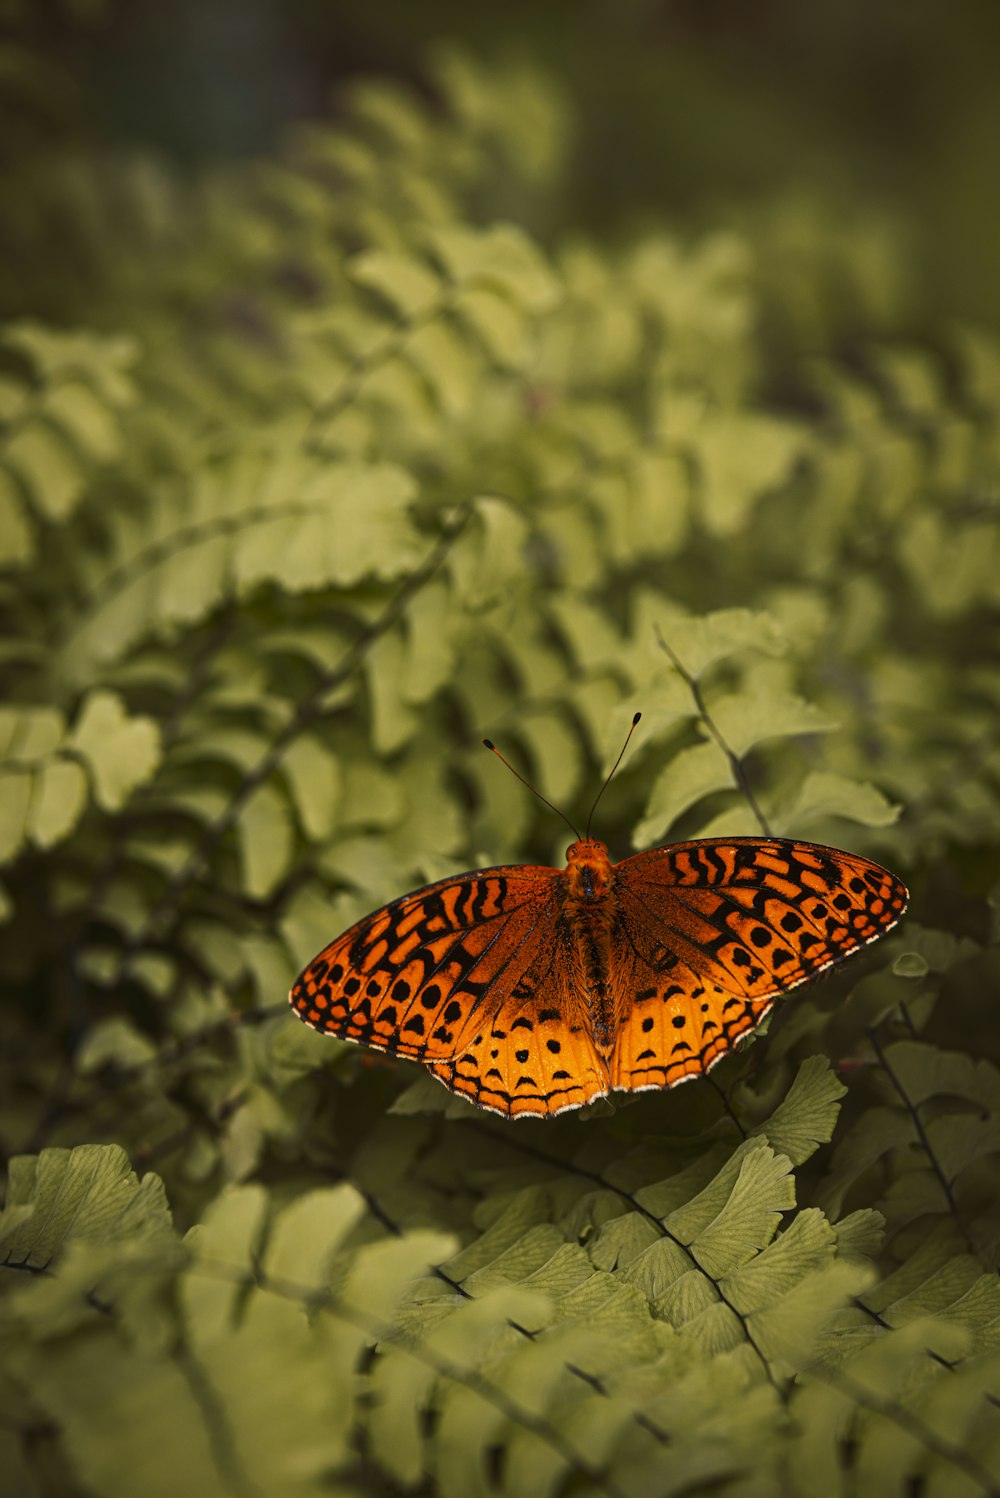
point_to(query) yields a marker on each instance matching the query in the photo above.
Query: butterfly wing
(711, 932)
(469, 976)
(536, 1058)
(413, 977)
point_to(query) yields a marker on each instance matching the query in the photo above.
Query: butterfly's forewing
(713, 931)
(423, 977)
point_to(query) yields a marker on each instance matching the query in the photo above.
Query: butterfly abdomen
(589, 912)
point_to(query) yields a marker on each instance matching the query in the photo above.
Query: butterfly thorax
(589, 908)
(588, 875)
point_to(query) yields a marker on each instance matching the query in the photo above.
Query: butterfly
(531, 990)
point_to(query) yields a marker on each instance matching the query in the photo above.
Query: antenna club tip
(489, 743)
(636, 719)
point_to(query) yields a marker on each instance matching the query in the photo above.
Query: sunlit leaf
(121, 751)
(691, 774)
(265, 832)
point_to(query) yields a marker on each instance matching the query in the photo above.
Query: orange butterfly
(530, 990)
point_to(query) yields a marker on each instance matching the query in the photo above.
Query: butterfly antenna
(611, 772)
(494, 750)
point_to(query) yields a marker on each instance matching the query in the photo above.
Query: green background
(371, 383)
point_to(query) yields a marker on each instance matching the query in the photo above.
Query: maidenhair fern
(310, 477)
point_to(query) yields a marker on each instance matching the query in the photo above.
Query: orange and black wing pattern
(468, 976)
(479, 976)
(537, 1057)
(416, 975)
(713, 931)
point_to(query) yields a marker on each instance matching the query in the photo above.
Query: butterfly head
(588, 869)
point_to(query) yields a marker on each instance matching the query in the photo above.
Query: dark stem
(914, 1112)
(738, 773)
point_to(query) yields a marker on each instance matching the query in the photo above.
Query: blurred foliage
(314, 471)
(699, 109)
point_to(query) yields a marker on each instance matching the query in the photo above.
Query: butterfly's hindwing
(538, 1057)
